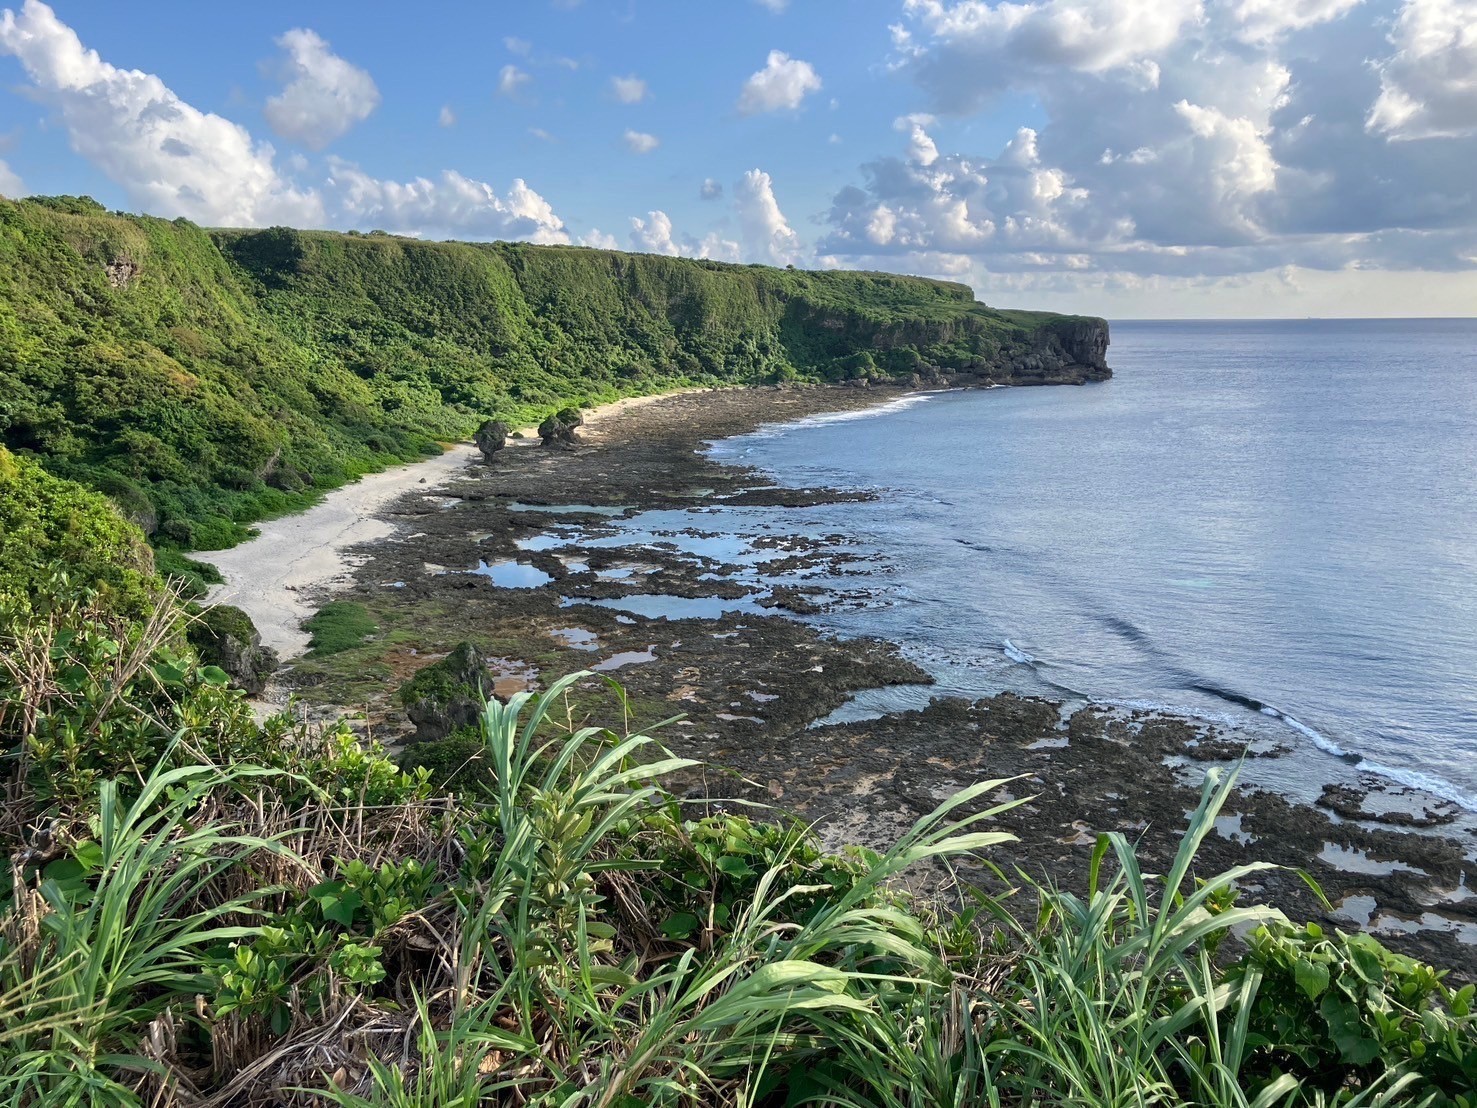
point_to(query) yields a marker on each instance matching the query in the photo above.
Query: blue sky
(1180, 157)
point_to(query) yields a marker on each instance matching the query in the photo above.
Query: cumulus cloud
(510, 79)
(451, 205)
(967, 51)
(519, 46)
(174, 160)
(324, 96)
(628, 90)
(447, 118)
(639, 142)
(655, 235)
(1428, 86)
(168, 156)
(711, 189)
(1264, 20)
(782, 84)
(1180, 142)
(921, 147)
(10, 184)
(765, 232)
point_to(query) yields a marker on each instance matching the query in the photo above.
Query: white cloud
(975, 49)
(711, 189)
(447, 118)
(654, 235)
(1428, 87)
(325, 95)
(599, 240)
(452, 205)
(921, 148)
(766, 234)
(510, 79)
(628, 90)
(169, 157)
(1242, 163)
(10, 184)
(1264, 20)
(782, 84)
(775, 6)
(639, 142)
(519, 46)
(540, 134)
(174, 160)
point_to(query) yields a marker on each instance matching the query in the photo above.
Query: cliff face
(205, 378)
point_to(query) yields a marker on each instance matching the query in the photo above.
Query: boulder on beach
(491, 437)
(224, 636)
(559, 429)
(446, 696)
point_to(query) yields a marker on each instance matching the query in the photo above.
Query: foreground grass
(207, 911)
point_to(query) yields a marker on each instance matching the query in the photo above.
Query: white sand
(278, 577)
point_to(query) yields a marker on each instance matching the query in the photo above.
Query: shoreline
(553, 515)
(308, 553)
(311, 548)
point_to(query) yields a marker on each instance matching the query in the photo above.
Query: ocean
(1269, 525)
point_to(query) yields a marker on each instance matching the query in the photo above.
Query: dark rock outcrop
(491, 437)
(121, 271)
(559, 429)
(225, 636)
(446, 696)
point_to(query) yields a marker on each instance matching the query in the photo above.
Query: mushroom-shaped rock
(491, 437)
(559, 429)
(446, 696)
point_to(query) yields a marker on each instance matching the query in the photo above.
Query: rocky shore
(531, 558)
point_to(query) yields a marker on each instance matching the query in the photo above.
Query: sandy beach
(280, 577)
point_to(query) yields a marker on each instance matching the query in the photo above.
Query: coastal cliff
(205, 379)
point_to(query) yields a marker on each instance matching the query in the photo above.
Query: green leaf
(214, 675)
(1344, 1027)
(89, 854)
(680, 926)
(1311, 977)
(735, 867)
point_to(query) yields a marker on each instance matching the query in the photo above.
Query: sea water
(1253, 520)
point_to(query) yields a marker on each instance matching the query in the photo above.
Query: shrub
(46, 523)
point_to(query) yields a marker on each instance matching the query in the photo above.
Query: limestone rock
(491, 437)
(446, 696)
(224, 636)
(559, 429)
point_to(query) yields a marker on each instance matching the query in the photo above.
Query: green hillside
(206, 379)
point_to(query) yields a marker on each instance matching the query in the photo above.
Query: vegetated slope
(205, 379)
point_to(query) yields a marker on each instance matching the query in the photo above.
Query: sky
(1126, 158)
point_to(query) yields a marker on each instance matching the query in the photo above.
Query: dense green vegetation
(50, 525)
(206, 379)
(207, 909)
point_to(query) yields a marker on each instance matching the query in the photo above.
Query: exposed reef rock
(446, 696)
(226, 637)
(559, 429)
(491, 437)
